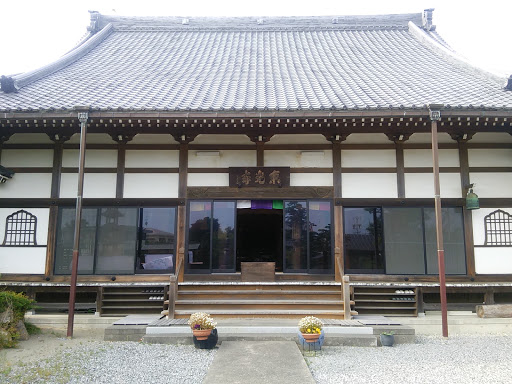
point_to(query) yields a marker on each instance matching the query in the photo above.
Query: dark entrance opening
(259, 236)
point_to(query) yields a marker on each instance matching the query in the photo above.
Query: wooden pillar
(467, 214)
(121, 159)
(54, 194)
(338, 209)
(400, 171)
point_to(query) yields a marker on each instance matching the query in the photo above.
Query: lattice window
(498, 228)
(20, 229)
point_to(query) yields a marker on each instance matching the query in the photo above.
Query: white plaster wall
(96, 185)
(27, 158)
(421, 185)
(299, 139)
(311, 179)
(426, 138)
(367, 138)
(152, 159)
(22, 186)
(423, 158)
(490, 158)
(223, 139)
(146, 138)
(296, 159)
(228, 158)
(478, 216)
(94, 158)
(368, 158)
(491, 137)
(208, 180)
(493, 260)
(27, 260)
(369, 185)
(42, 215)
(92, 138)
(151, 185)
(29, 138)
(492, 184)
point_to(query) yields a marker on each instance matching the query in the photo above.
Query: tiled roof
(251, 64)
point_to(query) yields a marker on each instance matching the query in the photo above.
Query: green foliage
(19, 303)
(388, 333)
(32, 329)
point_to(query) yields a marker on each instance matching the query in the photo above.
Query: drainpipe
(83, 115)
(435, 116)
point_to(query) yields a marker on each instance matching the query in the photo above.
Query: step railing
(345, 288)
(173, 284)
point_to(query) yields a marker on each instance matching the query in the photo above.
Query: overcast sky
(36, 32)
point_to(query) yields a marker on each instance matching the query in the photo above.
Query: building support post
(435, 116)
(82, 117)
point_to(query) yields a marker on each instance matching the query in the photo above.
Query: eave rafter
(330, 126)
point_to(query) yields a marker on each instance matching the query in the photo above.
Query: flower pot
(311, 337)
(387, 340)
(201, 334)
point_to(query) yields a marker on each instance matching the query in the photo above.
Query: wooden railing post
(172, 296)
(346, 298)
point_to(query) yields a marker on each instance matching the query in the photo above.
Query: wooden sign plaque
(268, 177)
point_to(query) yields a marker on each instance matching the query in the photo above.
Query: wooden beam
(400, 170)
(467, 214)
(260, 193)
(183, 169)
(260, 154)
(51, 240)
(121, 165)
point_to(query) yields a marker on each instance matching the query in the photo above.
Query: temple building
(245, 166)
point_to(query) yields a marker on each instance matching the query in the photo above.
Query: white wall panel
(421, 185)
(145, 138)
(27, 185)
(29, 260)
(299, 139)
(369, 185)
(29, 138)
(368, 158)
(478, 216)
(367, 138)
(151, 159)
(224, 159)
(96, 185)
(27, 158)
(151, 185)
(423, 158)
(490, 158)
(492, 184)
(92, 138)
(426, 138)
(493, 260)
(311, 179)
(42, 215)
(491, 137)
(223, 139)
(208, 180)
(94, 158)
(297, 159)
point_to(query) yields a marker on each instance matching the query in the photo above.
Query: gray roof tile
(236, 64)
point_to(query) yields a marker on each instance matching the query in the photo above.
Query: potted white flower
(201, 324)
(311, 328)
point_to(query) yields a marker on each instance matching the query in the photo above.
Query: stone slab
(137, 320)
(257, 362)
(263, 330)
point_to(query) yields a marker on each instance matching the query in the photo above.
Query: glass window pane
(199, 235)
(64, 241)
(320, 235)
(117, 239)
(157, 240)
(223, 242)
(403, 239)
(296, 231)
(453, 240)
(363, 239)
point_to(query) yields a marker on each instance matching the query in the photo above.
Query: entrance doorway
(259, 236)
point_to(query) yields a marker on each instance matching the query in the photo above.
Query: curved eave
(15, 82)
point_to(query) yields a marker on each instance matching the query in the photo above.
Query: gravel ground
(458, 359)
(115, 362)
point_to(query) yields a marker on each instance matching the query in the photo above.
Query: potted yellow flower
(311, 328)
(201, 324)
